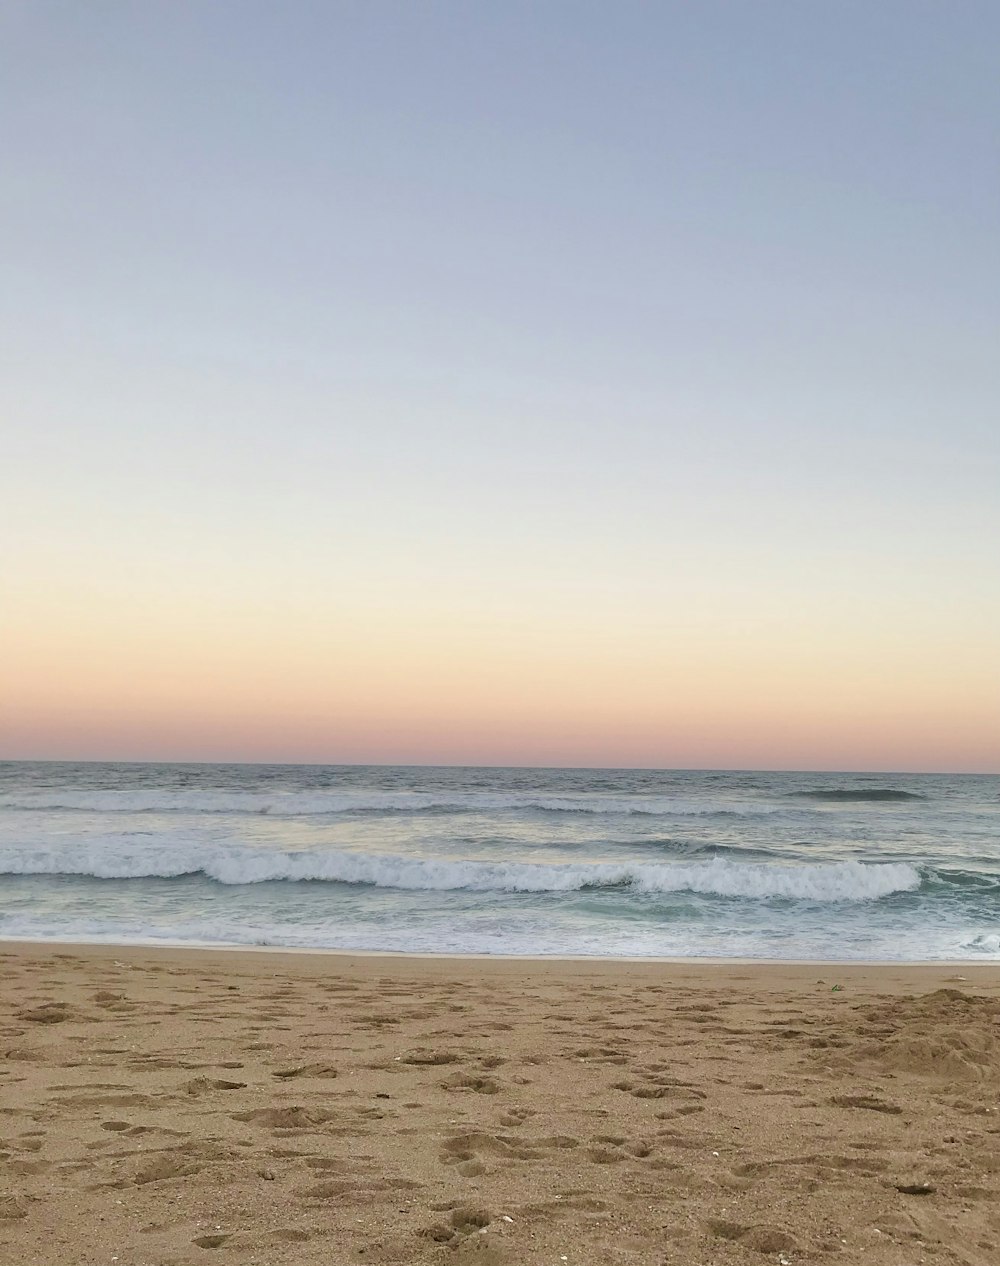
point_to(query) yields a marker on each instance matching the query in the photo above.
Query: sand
(160, 1107)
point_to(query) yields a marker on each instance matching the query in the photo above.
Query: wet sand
(165, 1107)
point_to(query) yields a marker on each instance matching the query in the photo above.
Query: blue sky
(688, 308)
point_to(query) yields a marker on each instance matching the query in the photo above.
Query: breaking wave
(832, 881)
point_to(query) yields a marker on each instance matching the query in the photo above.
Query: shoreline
(708, 973)
(231, 947)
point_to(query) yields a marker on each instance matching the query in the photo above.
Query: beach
(167, 1106)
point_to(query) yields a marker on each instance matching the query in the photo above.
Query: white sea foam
(985, 943)
(125, 857)
(313, 803)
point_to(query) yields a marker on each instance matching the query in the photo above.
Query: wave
(860, 794)
(683, 849)
(233, 865)
(985, 943)
(317, 803)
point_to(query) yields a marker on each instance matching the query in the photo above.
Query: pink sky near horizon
(139, 679)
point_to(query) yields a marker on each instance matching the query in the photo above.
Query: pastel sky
(522, 383)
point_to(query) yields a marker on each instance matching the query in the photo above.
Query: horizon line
(653, 769)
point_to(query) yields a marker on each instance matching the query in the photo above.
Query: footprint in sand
(683, 1110)
(201, 1085)
(463, 1148)
(305, 1070)
(291, 1118)
(761, 1237)
(421, 1058)
(470, 1168)
(462, 1221)
(328, 1163)
(26, 1168)
(162, 1168)
(659, 1089)
(329, 1190)
(478, 1085)
(516, 1116)
(48, 1013)
(29, 1142)
(871, 1102)
(601, 1055)
(609, 1149)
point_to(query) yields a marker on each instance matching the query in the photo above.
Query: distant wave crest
(834, 881)
(861, 794)
(316, 803)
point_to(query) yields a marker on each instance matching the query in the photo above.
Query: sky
(523, 383)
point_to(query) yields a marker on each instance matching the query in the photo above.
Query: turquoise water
(505, 861)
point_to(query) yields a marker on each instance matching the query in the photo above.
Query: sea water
(504, 861)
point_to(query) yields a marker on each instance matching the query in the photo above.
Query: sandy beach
(165, 1107)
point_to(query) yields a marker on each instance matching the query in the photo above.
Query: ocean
(605, 862)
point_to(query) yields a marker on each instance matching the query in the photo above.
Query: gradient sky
(529, 383)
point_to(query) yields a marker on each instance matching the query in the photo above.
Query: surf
(234, 865)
